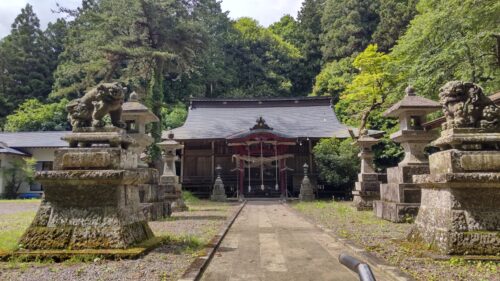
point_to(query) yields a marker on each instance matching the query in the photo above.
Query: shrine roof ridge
(259, 102)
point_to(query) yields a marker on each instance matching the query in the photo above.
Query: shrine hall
(261, 145)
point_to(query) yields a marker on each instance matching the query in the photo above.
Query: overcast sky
(265, 11)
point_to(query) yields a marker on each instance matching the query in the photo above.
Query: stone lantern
(218, 192)
(136, 116)
(367, 188)
(169, 177)
(400, 197)
(306, 188)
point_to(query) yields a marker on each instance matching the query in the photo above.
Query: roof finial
(410, 91)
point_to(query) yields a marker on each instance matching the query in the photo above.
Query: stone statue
(465, 106)
(89, 110)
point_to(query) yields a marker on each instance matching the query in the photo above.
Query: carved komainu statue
(465, 106)
(89, 110)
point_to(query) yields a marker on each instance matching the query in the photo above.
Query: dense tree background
(359, 52)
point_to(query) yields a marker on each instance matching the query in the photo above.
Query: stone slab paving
(269, 242)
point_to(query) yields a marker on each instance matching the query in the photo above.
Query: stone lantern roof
(134, 108)
(412, 102)
(170, 143)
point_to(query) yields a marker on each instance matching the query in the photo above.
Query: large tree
(25, 62)
(347, 27)
(138, 42)
(450, 40)
(395, 15)
(263, 60)
(310, 29)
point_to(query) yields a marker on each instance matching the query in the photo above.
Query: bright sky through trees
(265, 11)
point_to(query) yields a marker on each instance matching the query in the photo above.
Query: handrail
(362, 269)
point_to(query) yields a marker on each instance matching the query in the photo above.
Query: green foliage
(189, 198)
(337, 162)
(174, 116)
(369, 89)
(334, 78)
(309, 31)
(347, 27)
(450, 40)
(27, 59)
(33, 115)
(287, 28)
(263, 60)
(395, 15)
(16, 173)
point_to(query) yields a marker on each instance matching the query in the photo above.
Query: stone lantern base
(400, 197)
(366, 190)
(460, 211)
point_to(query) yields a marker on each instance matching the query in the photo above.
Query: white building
(39, 145)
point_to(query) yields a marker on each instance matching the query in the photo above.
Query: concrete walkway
(269, 242)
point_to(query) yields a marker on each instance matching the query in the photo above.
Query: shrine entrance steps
(268, 241)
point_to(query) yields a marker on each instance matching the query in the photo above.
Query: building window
(41, 166)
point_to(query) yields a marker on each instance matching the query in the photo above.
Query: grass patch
(12, 227)
(189, 198)
(20, 200)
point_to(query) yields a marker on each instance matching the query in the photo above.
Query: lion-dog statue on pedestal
(89, 110)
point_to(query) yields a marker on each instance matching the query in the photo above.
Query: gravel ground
(190, 230)
(388, 241)
(15, 206)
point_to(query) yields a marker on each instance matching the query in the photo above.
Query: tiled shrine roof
(311, 117)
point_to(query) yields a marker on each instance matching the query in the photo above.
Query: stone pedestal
(460, 210)
(306, 188)
(91, 198)
(400, 197)
(218, 192)
(367, 188)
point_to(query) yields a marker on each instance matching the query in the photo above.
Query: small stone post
(218, 192)
(367, 188)
(460, 211)
(169, 177)
(400, 197)
(306, 188)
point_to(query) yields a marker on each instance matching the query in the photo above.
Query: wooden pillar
(182, 163)
(310, 156)
(282, 178)
(242, 178)
(213, 162)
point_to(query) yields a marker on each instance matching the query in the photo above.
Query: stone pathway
(269, 242)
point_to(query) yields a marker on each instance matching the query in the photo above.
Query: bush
(338, 162)
(34, 115)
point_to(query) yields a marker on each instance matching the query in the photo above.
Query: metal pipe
(362, 269)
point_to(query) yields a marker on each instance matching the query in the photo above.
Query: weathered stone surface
(399, 197)
(306, 188)
(89, 110)
(395, 212)
(218, 192)
(90, 204)
(94, 158)
(86, 137)
(469, 139)
(460, 211)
